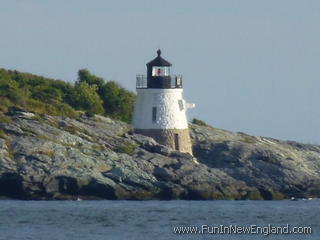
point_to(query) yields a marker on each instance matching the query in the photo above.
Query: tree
(87, 99)
(85, 76)
(117, 101)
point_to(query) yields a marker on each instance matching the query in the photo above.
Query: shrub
(87, 98)
(85, 76)
(42, 95)
(199, 122)
(5, 104)
(117, 101)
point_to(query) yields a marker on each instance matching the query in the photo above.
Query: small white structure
(160, 110)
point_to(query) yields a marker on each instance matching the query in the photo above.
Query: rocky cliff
(45, 157)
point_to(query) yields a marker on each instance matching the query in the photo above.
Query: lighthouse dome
(159, 61)
(158, 73)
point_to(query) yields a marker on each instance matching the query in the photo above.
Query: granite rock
(47, 157)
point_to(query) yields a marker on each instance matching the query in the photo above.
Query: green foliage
(90, 94)
(85, 76)
(10, 89)
(87, 98)
(5, 104)
(254, 195)
(71, 129)
(126, 147)
(3, 134)
(34, 93)
(199, 122)
(55, 109)
(277, 196)
(118, 102)
(4, 119)
(248, 139)
(46, 93)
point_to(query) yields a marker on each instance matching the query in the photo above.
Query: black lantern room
(158, 74)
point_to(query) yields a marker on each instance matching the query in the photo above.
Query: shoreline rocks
(46, 157)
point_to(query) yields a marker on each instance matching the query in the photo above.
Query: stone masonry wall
(166, 137)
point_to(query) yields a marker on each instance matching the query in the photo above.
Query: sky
(249, 65)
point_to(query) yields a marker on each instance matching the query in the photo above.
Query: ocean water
(144, 220)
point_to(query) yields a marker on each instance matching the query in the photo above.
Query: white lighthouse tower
(160, 110)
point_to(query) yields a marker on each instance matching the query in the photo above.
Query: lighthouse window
(176, 142)
(160, 71)
(154, 114)
(180, 102)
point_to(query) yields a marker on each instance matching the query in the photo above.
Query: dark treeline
(90, 94)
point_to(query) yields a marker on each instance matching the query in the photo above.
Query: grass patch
(99, 147)
(52, 122)
(3, 134)
(254, 195)
(5, 119)
(126, 147)
(38, 118)
(248, 139)
(54, 109)
(5, 104)
(277, 196)
(29, 132)
(71, 129)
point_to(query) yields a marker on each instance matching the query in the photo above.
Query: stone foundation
(177, 139)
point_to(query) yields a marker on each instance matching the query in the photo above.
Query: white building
(160, 110)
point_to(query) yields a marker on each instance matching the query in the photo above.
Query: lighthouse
(160, 110)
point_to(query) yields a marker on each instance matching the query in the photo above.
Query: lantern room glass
(160, 71)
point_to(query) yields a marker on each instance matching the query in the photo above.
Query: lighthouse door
(176, 142)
